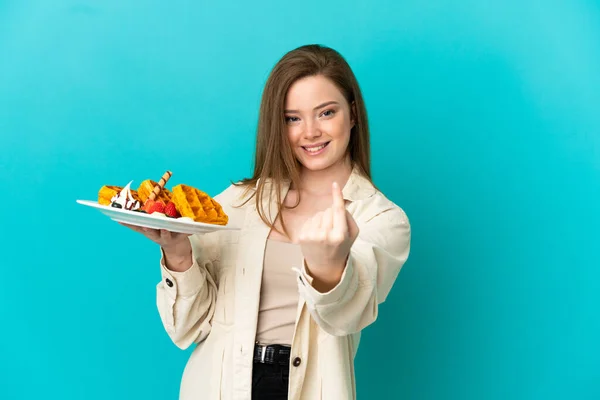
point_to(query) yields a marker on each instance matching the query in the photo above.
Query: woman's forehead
(306, 93)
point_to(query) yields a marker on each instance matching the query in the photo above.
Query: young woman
(276, 309)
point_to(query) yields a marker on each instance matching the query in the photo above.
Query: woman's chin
(315, 165)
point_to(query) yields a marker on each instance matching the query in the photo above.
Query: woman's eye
(289, 119)
(328, 113)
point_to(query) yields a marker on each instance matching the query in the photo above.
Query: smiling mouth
(315, 149)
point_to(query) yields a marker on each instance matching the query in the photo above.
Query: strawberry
(155, 206)
(148, 204)
(171, 210)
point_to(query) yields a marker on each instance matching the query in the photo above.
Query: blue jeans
(270, 381)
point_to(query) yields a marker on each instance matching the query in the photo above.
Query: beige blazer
(215, 303)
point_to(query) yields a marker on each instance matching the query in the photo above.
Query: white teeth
(314, 149)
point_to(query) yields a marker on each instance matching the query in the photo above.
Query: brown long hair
(274, 157)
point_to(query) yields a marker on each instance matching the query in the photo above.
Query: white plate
(154, 221)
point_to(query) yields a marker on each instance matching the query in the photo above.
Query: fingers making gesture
(327, 237)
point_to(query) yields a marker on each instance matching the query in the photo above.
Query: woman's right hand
(176, 246)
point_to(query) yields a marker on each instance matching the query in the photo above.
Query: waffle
(107, 192)
(147, 186)
(197, 205)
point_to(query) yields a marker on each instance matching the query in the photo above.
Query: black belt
(272, 354)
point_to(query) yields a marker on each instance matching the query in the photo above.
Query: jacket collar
(358, 187)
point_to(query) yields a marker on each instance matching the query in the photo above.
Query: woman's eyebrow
(328, 103)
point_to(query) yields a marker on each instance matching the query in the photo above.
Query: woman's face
(319, 121)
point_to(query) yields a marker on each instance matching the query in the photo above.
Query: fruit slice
(171, 210)
(152, 206)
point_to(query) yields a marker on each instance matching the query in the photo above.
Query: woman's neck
(318, 183)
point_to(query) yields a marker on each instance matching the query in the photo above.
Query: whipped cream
(125, 199)
(160, 215)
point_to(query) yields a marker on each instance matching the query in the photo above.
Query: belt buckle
(263, 351)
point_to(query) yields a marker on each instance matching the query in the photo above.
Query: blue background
(486, 130)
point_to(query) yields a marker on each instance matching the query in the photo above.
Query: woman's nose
(312, 130)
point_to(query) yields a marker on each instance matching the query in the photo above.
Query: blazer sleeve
(375, 260)
(186, 300)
